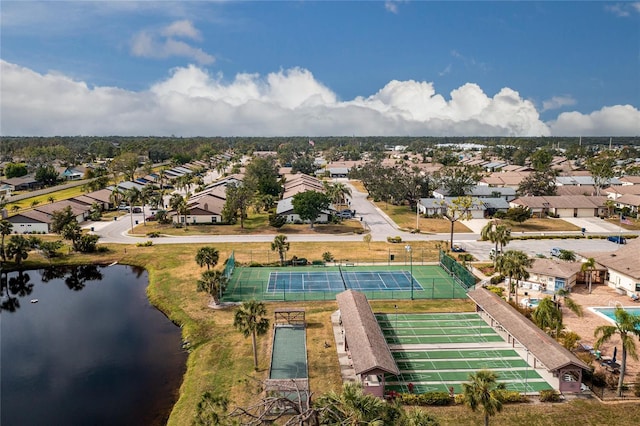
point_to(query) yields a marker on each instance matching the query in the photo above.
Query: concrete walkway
(344, 358)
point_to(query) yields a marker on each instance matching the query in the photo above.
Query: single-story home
(480, 207)
(563, 206)
(482, 191)
(30, 221)
(22, 183)
(79, 210)
(206, 209)
(552, 275)
(629, 201)
(285, 209)
(338, 172)
(623, 267)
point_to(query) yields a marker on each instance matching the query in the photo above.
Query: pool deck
(601, 295)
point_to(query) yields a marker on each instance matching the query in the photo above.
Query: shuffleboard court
(438, 356)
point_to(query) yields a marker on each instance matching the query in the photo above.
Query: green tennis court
(441, 358)
(324, 282)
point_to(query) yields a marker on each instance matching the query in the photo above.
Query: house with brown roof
(552, 275)
(364, 342)
(560, 362)
(623, 267)
(30, 222)
(631, 202)
(205, 209)
(563, 206)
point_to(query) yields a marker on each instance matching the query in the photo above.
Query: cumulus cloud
(617, 120)
(163, 43)
(557, 102)
(193, 102)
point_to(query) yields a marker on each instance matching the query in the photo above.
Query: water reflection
(91, 351)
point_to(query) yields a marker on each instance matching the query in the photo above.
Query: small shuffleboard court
(436, 352)
(310, 281)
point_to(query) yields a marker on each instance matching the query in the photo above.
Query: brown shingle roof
(624, 260)
(554, 268)
(551, 353)
(369, 350)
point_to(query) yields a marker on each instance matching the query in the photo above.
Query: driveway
(593, 224)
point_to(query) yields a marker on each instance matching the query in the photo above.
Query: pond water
(90, 351)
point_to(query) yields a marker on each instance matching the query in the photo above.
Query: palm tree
(214, 283)
(51, 199)
(483, 391)
(177, 203)
(15, 208)
(18, 248)
(627, 325)
(548, 317)
(514, 264)
(249, 320)
(145, 197)
(207, 256)
(281, 245)
(568, 301)
(351, 407)
(5, 229)
(587, 267)
(498, 234)
(337, 192)
(132, 196)
(115, 197)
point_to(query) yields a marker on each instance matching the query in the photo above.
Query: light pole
(396, 306)
(408, 249)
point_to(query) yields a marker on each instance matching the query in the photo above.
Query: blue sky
(278, 68)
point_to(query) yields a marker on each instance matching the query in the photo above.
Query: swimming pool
(530, 303)
(608, 312)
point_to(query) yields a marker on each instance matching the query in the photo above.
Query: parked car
(458, 248)
(123, 207)
(137, 209)
(150, 218)
(618, 239)
(346, 214)
(556, 251)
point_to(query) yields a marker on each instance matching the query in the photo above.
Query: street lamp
(408, 249)
(396, 306)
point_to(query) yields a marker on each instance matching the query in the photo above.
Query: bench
(350, 264)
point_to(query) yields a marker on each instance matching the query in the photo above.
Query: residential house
(285, 208)
(631, 202)
(615, 192)
(552, 275)
(482, 191)
(507, 179)
(80, 210)
(630, 180)
(205, 209)
(563, 206)
(478, 210)
(623, 267)
(22, 183)
(30, 222)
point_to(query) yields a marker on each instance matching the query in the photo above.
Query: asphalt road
(379, 224)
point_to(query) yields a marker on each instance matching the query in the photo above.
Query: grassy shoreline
(220, 358)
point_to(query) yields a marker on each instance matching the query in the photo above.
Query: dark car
(617, 239)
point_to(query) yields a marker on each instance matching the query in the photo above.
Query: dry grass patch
(542, 225)
(405, 218)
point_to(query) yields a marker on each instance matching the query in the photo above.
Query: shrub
(428, 398)
(496, 279)
(549, 395)
(458, 399)
(327, 256)
(636, 389)
(145, 244)
(394, 240)
(465, 257)
(512, 397)
(153, 234)
(496, 290)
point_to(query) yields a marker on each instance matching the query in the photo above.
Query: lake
(91, 351)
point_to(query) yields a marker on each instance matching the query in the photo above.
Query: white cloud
(193, 102)
(623, 10)
(617, 120)
(557, 102)
(182, 28)
(161, 44)
(391, 6)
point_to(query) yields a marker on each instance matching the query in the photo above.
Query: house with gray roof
(563, 206)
